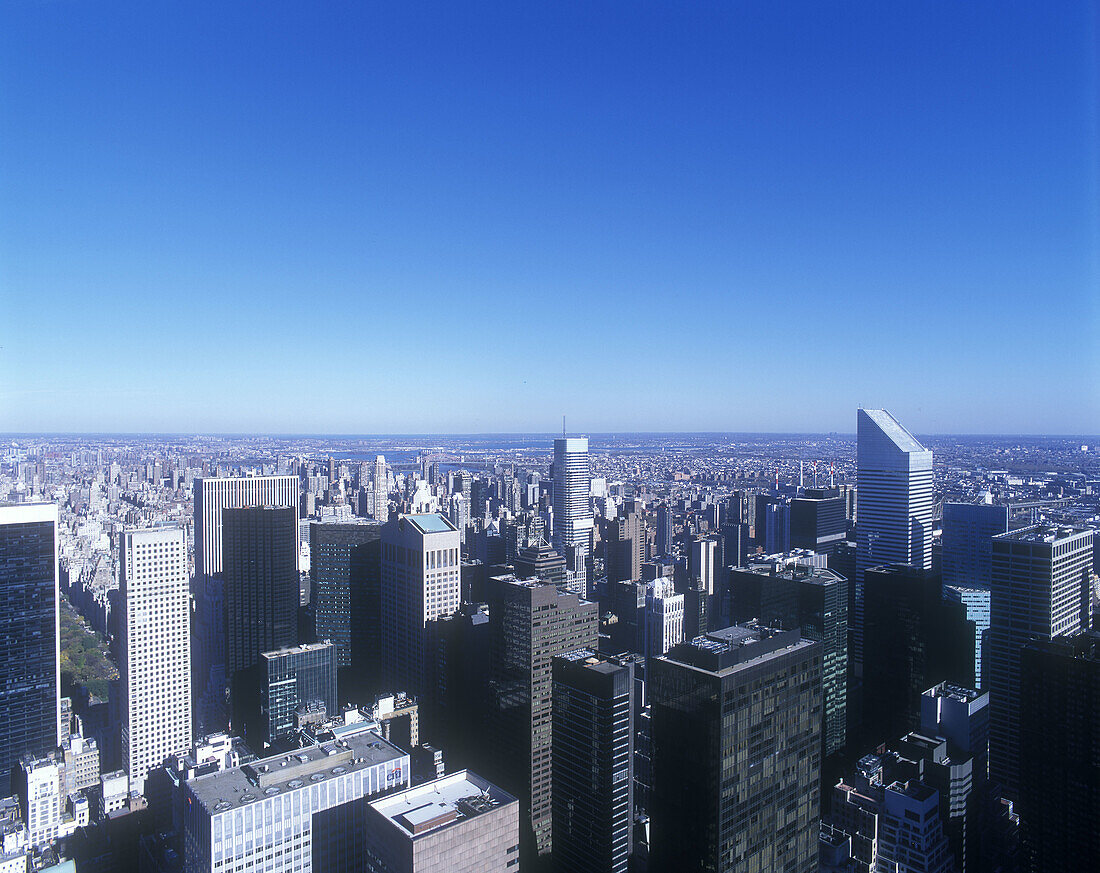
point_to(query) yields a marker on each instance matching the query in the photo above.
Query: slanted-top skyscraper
(573, 519)
(895, 505)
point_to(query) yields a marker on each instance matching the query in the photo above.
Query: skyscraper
(895, 505)
(345, 581)
(736, 731)
(593, 762)
(291, 678)
(529, 623)
(420, 582)
(1040, 590)
(702, 569)
(381, 484)
(817, 520)
(212, 496)
(968, 531)
(30, 677)
(573, 519)
(1060, 752)
(261, 582)
(155, 650)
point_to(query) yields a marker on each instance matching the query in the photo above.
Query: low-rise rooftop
(444, 802)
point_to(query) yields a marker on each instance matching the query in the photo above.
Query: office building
(154, 650)
(260, 568)
(736, 726)
(914, 639)
(539, 560)
(420, 582)
(294, 681)
(346, 589)
(624, 540)
(961, 716)
(968, 531)
(664, 617)
(530, 622)
(30, 672)
(662, 540)
(290, 813)
(813, 600)
(593, 755)
(1060, 752)
(1040, 590)
(381, 489)
(460, 823)
(894, 473)
(976, 603)
(912, 834)
(817, 520)
(702, 567)
(573, 520)
(214, 495)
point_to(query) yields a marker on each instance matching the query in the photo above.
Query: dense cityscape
(643, 652)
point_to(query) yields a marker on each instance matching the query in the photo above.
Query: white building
(155, 650)
(381, 485)
(894, 525)
(664, 617)
(273, 815)
(573, 520)
(43, 803)
(421, 568)
(704, 556)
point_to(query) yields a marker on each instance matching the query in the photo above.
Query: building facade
(292, 678)
(573, 519)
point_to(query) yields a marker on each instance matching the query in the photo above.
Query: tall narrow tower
(895, 505)
(573, 519)
(30, 679)
(381, 490)
(156, 650)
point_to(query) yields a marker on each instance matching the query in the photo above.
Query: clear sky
(455, 217)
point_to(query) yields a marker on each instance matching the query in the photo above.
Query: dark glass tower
(817, 520)
(593, 762)
(260, 568)
(346, 586)
(30, 690)
(736, 725)
(1060, 752)
(292, 678)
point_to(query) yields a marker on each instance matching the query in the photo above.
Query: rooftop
(239, 786)
(293, 650)
(1043, 533)
(892, 429)
(431, 522)
(734, 646)
(433, 805)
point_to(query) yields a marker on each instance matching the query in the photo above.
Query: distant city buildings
(573, 520)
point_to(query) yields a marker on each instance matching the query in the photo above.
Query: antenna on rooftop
(563, 427)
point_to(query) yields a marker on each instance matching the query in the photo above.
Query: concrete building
(912, 836)
(460, 823)
(42, 801)
(420, 583)
(664, 617)
(703, 563)
(296, 812)
(30, 672)
(154, 650)
(380, 484)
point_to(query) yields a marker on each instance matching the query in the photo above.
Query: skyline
(454, 218)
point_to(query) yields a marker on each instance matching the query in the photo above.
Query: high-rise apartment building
(625, 543)
(420, 582)
(573, 520)
(530, 622)
(345, 585)
(736, 726)
(1040, 590)
(260, 568)
(30, 671)
(894, 473)
(593, 796)
(154, 650)
(968, 531)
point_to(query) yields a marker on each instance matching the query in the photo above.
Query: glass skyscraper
(968, 531)
(293, 677)
(30, 680)
(573, 520)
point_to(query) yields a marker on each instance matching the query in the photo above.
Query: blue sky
(454, 217)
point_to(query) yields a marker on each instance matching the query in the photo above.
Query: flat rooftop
(293, 650)
(733, 647)
(239, 786)
(432, 523)
(794, 573)
(439, 804)
(1042, 533)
